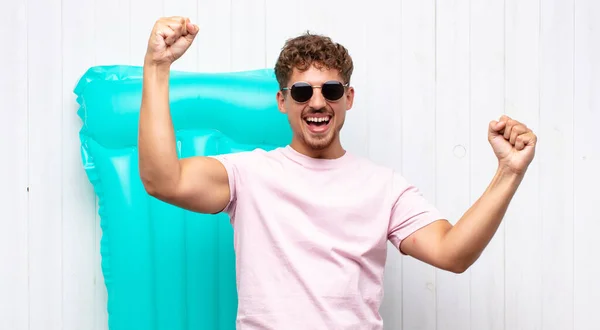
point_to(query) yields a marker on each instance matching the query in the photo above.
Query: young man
(311, 220)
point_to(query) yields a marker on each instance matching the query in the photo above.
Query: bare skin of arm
(456, 247)
(198, 183)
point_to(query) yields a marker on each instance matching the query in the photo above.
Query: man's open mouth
(317, 123)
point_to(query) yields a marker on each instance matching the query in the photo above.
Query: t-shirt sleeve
(233, 163)
(410, 211)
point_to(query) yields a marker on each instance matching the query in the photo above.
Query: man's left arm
(456, 248)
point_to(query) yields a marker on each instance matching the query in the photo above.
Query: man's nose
(317, 101)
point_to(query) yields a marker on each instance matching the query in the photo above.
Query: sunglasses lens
(301, 92)
(333, 90)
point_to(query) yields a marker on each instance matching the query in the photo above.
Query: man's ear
(349, 98)
(281, 101)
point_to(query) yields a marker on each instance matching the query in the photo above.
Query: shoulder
(244, 156)
(246, 168)
(395, 183)
(374, 170)
(245, 161)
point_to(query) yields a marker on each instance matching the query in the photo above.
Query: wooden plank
(523, 222)
(586, 164)
(248, 35)
(113, 37)
(14, 297)
(555, 157)
(487, 103)
(45, 163)
(213, 43)
(453, 151)
(418, 148)
(383, 51)
(141, 18)
(78, 200)
(281, 25)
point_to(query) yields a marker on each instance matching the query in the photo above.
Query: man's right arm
(198, 183)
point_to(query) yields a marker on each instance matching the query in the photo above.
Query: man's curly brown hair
(311, 49)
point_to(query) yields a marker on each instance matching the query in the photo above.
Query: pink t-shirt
(310, 237)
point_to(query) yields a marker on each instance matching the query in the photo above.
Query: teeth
(317, 119)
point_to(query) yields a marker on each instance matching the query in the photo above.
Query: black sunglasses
(331, 90)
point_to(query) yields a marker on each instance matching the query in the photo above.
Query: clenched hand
(513, 143)
(170, 39)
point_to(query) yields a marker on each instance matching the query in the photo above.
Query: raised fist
(513, 143)
(170, 38)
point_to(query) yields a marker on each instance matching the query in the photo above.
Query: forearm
(158, 161)
(466, 240)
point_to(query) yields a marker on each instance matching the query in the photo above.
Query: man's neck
(333, 151)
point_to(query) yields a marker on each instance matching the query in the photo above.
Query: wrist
(508, 171)
(156, 69)
(506, 175)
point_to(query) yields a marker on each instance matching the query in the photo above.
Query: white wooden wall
(429, 77)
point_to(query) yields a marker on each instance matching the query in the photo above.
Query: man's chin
(318, 142)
